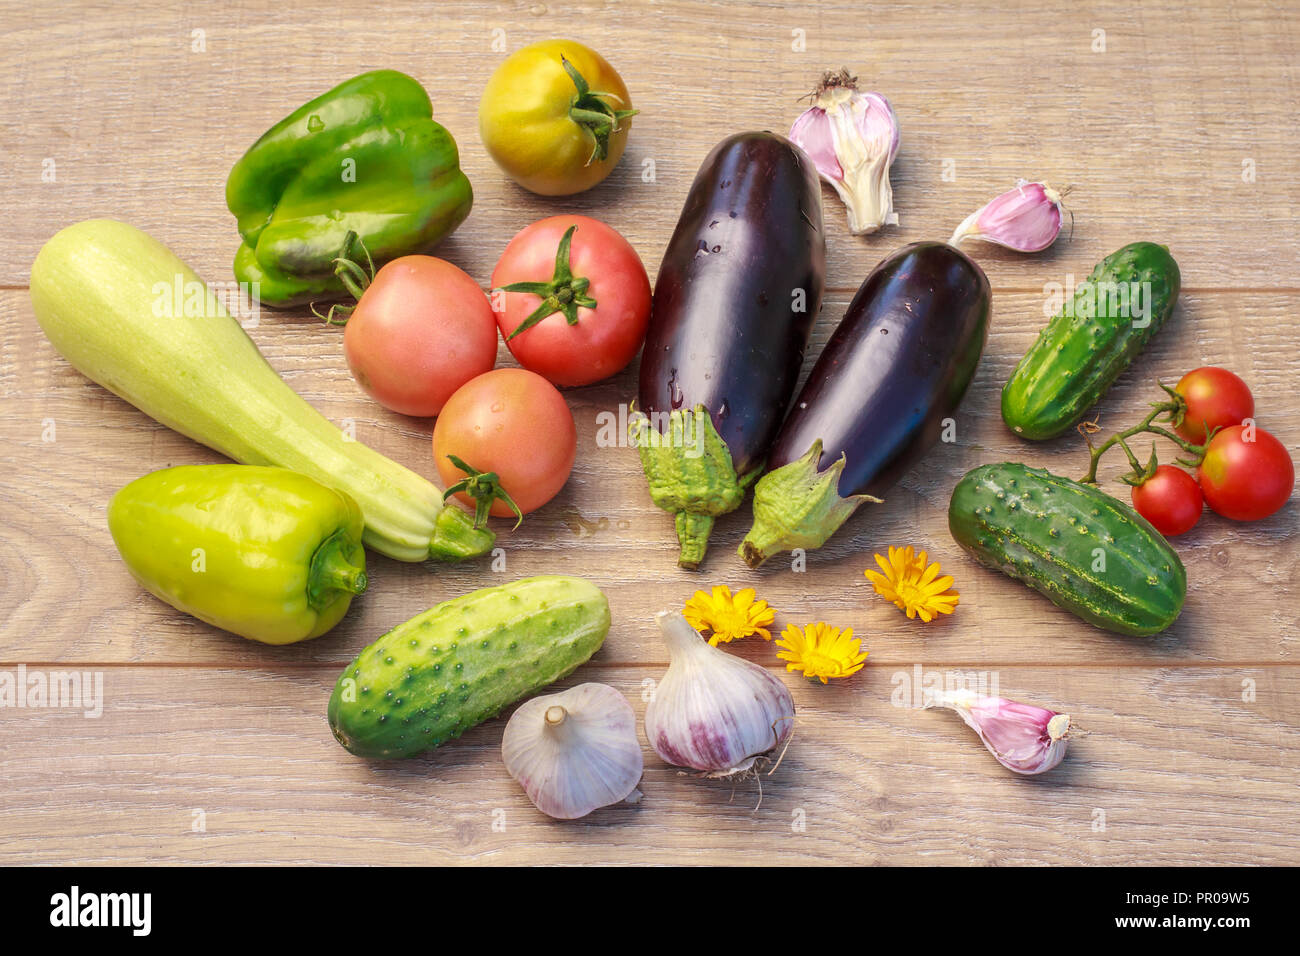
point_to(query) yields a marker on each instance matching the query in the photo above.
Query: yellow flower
(913, 585)
(729, 617)
(821, 651)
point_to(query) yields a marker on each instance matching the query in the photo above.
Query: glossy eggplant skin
(895, 368)
(738, 290)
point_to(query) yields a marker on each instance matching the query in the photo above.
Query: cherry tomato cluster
(1244, 473)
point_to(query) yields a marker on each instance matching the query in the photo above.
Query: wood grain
(1152, 133)
(863, 781)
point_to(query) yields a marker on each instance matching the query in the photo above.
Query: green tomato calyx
(563, 292)
(484, 487)
(591, 109)
(355, 277)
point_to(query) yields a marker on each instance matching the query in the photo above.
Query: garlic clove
(852, 139)
(1026, 219)
(575, 751)
(1023, 738)
(712, 711)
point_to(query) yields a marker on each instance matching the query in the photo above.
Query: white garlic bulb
(713, 711)
(574, 751)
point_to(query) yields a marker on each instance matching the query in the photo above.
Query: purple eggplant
(737, 292)
(897, 365)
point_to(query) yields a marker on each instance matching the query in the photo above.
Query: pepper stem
(331, 571)
(589, 109)
(484, 487)
(564, 293)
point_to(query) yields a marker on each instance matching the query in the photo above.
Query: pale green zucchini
(105, 294)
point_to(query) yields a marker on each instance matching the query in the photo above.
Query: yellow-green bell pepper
(265, 553)
(365, 157)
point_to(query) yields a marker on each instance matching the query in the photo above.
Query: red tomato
(422, 329)
(601, 267)
(1170, 499)
(512, 422)
(1216, 398)
(1246, 473)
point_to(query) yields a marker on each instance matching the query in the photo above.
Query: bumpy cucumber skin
(1077, 357)
(430, 679)
(1043, 530)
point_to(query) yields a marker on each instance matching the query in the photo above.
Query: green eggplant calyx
(455, 538)
(331, 572)
(690, 472)
(591, 109)
(564, 292)
(693, 532)
(356, 278)
(484, 487)
(797, 506)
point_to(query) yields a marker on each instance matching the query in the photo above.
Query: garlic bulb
(1023, 738)
(1026, 219)
(574, 751)
(852, 139)
(713, 711)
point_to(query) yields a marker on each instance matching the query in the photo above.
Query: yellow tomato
(555, 117)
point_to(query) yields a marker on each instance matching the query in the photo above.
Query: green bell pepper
(265, 553)
(366, 157)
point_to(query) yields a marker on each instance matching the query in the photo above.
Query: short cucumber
(427, 681)
(1089, 553)
(1093, 338)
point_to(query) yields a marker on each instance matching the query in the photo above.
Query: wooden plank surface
(1153, 134)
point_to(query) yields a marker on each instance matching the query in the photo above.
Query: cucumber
(429, 680)
(1087, 552)
(130, 315)
(1091, 340)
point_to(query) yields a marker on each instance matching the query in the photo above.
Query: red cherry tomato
(512, 422)
(1170, 499)
(1246, 473)
(600, 267)
(1216, 398)
(422, 329)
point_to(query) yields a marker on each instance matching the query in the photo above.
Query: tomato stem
(564, 292)
(355, 278)
(1173, 411)
(590, 109)
(483, 487)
